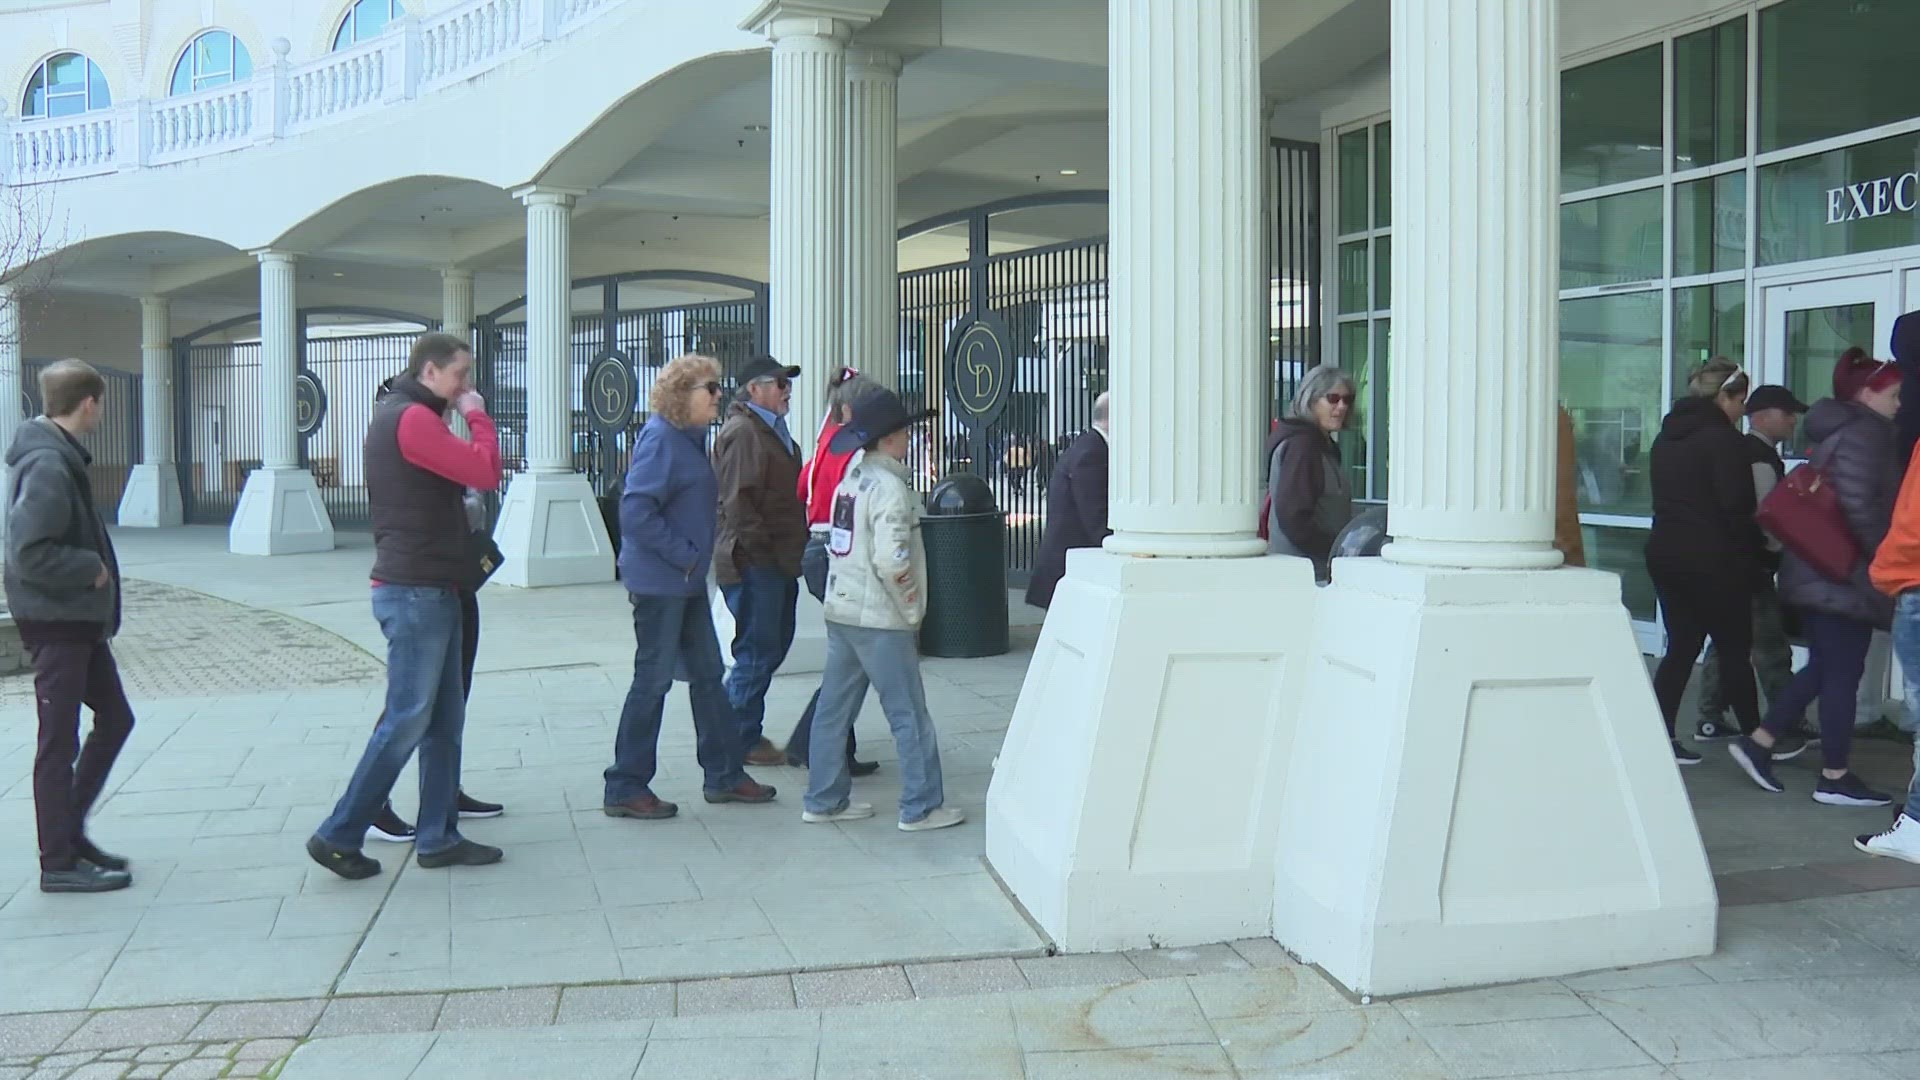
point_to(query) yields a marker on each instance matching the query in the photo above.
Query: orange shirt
(1896, 568)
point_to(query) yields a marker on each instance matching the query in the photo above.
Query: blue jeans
(426, 711)
(1906, 646)
(891, 658)
(673, 637)
(763, 612)
(813, 570)
(1836, 658)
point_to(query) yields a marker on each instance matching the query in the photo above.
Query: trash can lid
(961, 493)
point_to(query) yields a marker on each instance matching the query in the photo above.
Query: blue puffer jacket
(668, 512)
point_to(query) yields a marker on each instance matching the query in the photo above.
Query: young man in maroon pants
(63, 588)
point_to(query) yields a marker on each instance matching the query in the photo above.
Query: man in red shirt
(417, 473)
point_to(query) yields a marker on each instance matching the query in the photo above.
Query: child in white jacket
(876, 598)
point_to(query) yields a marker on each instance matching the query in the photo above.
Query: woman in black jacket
(1705, 553)
(1856, 447)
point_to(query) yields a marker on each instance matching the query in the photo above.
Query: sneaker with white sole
(1900, 842)
(1756, 761)
(1848, 790)
(944, 817)
(390, 827)
(850, 812)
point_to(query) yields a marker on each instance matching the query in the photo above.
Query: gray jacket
(56, 542)
(1858, 451)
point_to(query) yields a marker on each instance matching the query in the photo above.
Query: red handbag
(1803, 513)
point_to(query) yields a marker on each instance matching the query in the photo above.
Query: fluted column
(156, 381)
(1475, 277)
(873, 287)
(807, 239)
(1184, 303)
(549, 330)
(279, 360)
(456, 302)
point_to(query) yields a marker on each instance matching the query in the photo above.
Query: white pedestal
(551, 533)
(1136, 798)
(152, 498)
(809, 653)
(280, 513)
(1481, 789)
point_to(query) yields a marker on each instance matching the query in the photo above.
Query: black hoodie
(1703, 500)
(1906, 353)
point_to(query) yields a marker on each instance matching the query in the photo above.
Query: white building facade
(1188, 201)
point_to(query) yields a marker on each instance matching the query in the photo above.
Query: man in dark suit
(1076, 507)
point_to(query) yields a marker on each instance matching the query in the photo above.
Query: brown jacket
(762, 520)
(1566, 510)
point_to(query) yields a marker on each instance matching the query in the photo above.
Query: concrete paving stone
(638, 1001)
(792, 1025)
(735, 995)
(522, 1054)
(728, 1057)
(955, 978)
(1262, 952)
(852, 986)
(1675, 973)
(101, 1070)
(57, 973)
(1159, 1013)
(532, 1007)
(166, 1054)
(135, 1027)
(386, 1015)
(1782, 942)
(69, 1060)
(125, 1053)
(1183, 1061)
(1473, 1051)
(364, 1057)
(36, 1033)
(15, 1072)
(1081, 969)
(1901, 1066)
(1494, 1005)
(1197, 960)
(219, 1050)
(198, 1069)
(590, 965)
(687, 923)
(149, 1071)
(182, 974)
(1686, 1025)
(1783, 1068)
(266, 1049)
(205, 925)
(1359, 1044)
(734, 957)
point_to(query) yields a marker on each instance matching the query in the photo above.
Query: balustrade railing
(414, 56)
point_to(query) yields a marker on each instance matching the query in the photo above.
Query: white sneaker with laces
(943, 818)
(1900, 842)
(850, 812)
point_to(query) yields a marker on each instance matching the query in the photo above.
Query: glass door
(1808, 326)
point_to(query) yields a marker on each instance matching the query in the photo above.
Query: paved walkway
(232, 948)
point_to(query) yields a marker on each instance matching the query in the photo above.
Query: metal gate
(115, 445)
(730, 330)
(218, 417)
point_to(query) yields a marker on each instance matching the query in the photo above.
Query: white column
(152, 497)
(807, 240)
(873, 263)
(280, 511)
(1118, 814)
(456, 302)
(1461, 680)
(1185, 307)
(12, 391)
(550, 528)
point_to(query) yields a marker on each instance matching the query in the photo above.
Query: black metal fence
(114, 445)
(350, 368)
(217, 426)
(1294, 327)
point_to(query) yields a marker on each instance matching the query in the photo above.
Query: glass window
(65, 85)
(1353, 182)
(1708, 321)
(1710, 96)
(215, 58)
(1353, 277)
(1624, 552)
(1612, 240)
(366, 19)
(1843, 202)
(1611, 364)
(1359, 367)
(1383, 273)
(1383, 176)
(1815, 339)
(1829, 67)
(1610, 123)
(1710, 225)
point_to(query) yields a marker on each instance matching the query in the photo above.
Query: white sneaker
(1900, 842)
(944, 818)
(851, 812)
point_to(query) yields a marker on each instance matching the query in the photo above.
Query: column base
(152, 498)
(280, 513)
(551, 533)
(1481, 789)
(1135, 800)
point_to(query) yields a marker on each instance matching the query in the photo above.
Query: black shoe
(471, 807)
(1848, 791)
(102, 859)
(1684, 756)
(390, 827)
(1715, 730)
(464, 853)
(862, 768)
(1788, 747)
(348, 864)
(84, 877)
(1756, 761)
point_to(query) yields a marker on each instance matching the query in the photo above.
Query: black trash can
(966, 540)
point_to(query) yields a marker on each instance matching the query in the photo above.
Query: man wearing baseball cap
(1773, 413)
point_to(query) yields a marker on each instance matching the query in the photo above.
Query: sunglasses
(1339, 399)
(711, 388)
(779, 381)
